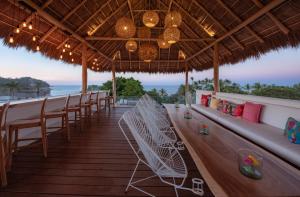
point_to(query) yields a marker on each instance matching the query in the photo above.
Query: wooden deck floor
(97, 162)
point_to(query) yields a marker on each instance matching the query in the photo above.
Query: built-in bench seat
(267, 136)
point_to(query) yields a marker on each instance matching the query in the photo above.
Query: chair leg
(80, 119)
(44, 139)
(2, 165)
(62, 122)
(10, 134)
(67, 127)
(16, 139)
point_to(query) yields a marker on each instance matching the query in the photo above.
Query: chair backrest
(43, 108)
(3, 114)
(67, 102)
(164, 161)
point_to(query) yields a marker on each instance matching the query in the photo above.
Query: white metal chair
(166, 163)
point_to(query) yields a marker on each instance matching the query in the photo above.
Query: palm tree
(247, 87)
(163, 92)
(13, 86)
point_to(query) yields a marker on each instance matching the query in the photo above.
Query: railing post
(186, 78)
(114, 91)
(84, 68)
(216, 68)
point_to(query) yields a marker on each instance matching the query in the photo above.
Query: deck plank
(97, 162)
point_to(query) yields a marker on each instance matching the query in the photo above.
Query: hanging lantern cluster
(125, 28)
(147, 52)
(150, 19)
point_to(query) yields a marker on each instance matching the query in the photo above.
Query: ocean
(59, 90)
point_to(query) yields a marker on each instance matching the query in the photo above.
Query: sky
(280, 67)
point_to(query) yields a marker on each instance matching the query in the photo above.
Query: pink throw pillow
(204, 99)
(238, 110)
(252, 112)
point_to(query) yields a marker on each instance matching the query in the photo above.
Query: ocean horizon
(59, 90)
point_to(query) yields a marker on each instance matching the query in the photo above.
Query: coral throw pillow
(205, 99)
(292, 129)
(238, 110)
(214, 103)
(252, 112)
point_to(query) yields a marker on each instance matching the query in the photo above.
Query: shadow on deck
(97, 162)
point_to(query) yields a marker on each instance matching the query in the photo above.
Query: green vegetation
(126, 87)
(129, 87)
(23, 87)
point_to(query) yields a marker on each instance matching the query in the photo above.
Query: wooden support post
(114, 91)
(84, 68)
(186, 78)
(216, 68)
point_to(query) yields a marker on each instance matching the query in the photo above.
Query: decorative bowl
(250, 163)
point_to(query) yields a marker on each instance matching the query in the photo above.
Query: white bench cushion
(268, 137)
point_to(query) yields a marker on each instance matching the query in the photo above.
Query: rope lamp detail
(131, 45)
(147, 52)
(171, 35)
(150, 19)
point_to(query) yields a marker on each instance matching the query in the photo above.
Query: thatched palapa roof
(243, 29)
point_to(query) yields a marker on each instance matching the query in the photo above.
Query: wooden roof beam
(107, 18)
(99, 38)
(283, 28)
(130, 9)
(252, 18)
(63, 20)
(170, 6)
(218, 23)
(55, 22)
(239, 20)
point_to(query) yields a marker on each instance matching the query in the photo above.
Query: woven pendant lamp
(131, 45)
(125, 28)
(171, 35)
(150, 19)
(162, 43)
(147, 52)
(173, 19)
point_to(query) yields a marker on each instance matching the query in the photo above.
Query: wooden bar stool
(76, 109)
(3, 144)
(108, 100)
(95, 101)
(86, 105)
(16, 126)
(64, 115)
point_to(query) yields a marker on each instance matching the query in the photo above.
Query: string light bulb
(64, 50)
(24, 24)
(18, 29)
(30, 26)
(72, 59)
(69, 46)
(11, 39)
(33, 38)
(38, 47)
(70, 53)
(61, 56)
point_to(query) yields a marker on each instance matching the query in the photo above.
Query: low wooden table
(216, 158)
